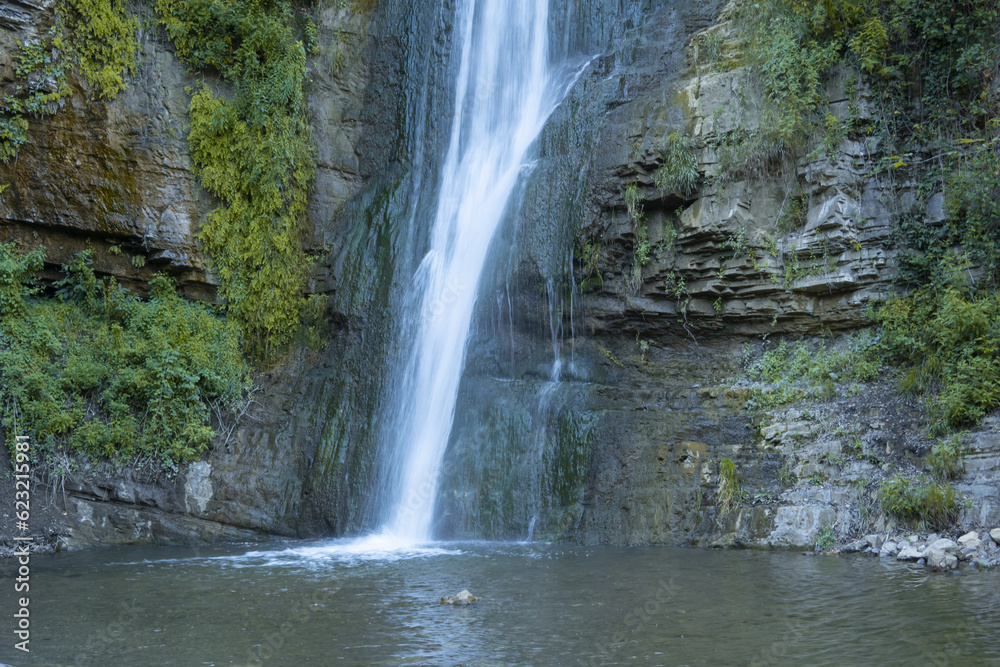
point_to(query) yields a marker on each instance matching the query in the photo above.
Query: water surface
(355, 603)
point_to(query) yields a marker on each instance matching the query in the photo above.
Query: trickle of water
(555, 328)
(505, 91)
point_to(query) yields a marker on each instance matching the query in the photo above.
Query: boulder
(939, 559)
(969, 540)
(888, 549)
(946, 545)
(909, 553)
(874, 541)
(463, 598)
(995, 534)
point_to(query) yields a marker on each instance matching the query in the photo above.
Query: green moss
(254, 152)
(567, 465)
(98, 371)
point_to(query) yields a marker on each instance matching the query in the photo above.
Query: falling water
(505, 91)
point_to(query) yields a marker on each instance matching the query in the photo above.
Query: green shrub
(96, 370)
(946, 460)
(792, 373)
(679, 170)
(254, 153)
(944, 50)
(855, 359)
(920, 501)
(826, 539)
(946, 341)
(730, 491)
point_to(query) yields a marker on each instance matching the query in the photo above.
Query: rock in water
(939, 559)
(944, 544)
(463, 598)
(995, 534)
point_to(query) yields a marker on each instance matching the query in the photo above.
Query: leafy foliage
(947, 341)
(97, 35)
(855, 360)
(679, 169)
(933, 65)
(255, 153)
(40, 69)
(945, 51)
(98, 371)
(790, 373)
(920, 500)
(730, 490)
(104, 40)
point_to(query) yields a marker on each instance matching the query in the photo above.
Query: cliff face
(653, 396)
(626, 447)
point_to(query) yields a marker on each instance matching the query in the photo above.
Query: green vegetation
(678, 173)
(104, 39)
(99, 36)
(947, 342)
(730, 491)
(932, 66)
(932, 61)
(947, 458)
(642, 248)
(792, 372)
(95, 370)
(826, 539)
(920, 501)
(254, 152)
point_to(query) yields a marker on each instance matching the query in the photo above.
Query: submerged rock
(463, 598)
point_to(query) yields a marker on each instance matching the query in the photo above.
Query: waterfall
(505, 90)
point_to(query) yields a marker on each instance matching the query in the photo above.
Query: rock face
(116, 177)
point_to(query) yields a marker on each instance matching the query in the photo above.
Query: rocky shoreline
(978, 548)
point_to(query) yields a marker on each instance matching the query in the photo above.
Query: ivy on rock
(254, 152)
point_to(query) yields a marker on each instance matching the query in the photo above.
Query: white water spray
(505, 92)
